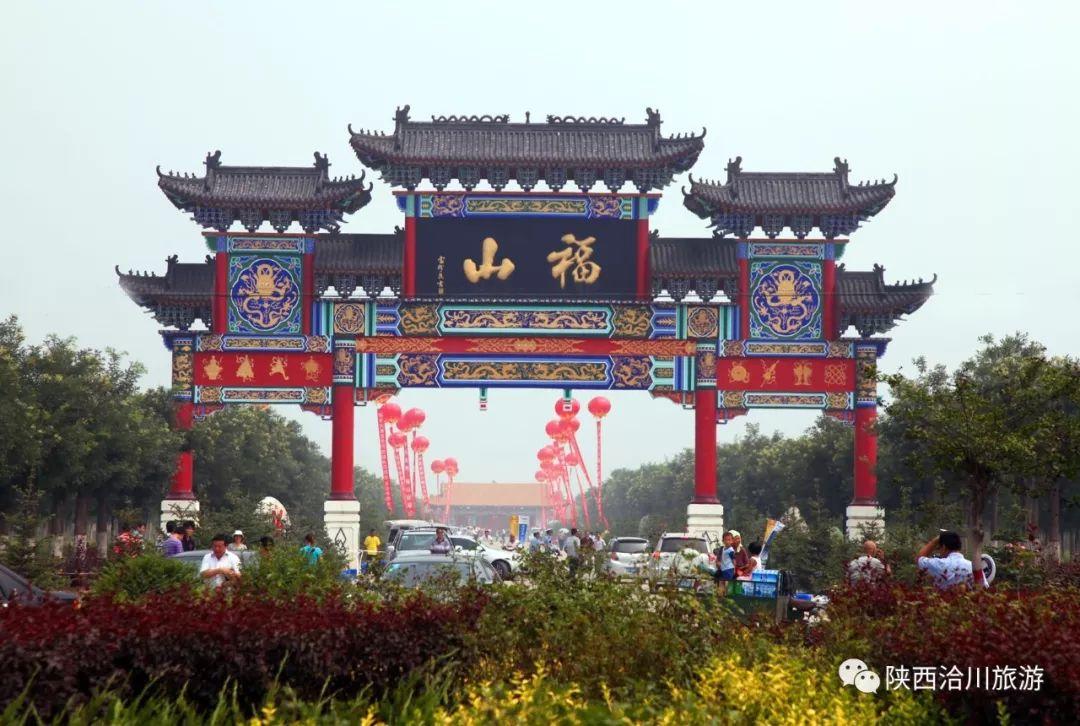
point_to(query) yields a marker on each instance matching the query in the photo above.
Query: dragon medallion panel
(785, 299)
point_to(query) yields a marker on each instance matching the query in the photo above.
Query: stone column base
(860, 515)
(342, 517)
(705, 519)
(178, 509)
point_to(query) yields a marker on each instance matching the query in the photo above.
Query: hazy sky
(973, 104)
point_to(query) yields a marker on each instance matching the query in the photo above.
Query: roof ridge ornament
(213, 160)
(652, 117)
(474, 119)
(734, 168)
(322, 162)
(610, 120)
(401, 115)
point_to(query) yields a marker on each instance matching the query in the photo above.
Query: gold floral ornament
(312, 369)
(802, 371)
(475, 273)
(245, 371)
(738, 373)
(578, 254)
(835, 375)
(212, 368)
(768, 373)
(278, 366)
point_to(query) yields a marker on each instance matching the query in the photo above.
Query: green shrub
(286, 573)
(133, 578)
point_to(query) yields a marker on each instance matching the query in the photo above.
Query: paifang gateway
(526, 260)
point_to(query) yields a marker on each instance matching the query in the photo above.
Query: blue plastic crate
(765, 576)
(764, 590)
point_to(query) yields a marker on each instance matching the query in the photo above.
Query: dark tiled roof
(253, 194)
(470, 148)
(865, 301)
(182, 283)
(796, 200)
(693, 256)
(359, 253)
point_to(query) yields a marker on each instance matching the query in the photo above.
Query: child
(725, 564)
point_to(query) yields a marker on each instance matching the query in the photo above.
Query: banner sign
(537, 257)
(263, 368)
(786, 374)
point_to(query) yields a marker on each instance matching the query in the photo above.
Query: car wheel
(503, 568)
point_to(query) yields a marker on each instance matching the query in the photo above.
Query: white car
(419, 539)
(628, 557)
(680, 554)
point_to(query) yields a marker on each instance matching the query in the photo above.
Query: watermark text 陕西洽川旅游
(855, 672)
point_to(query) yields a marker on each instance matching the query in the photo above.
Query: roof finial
(841, 166)
(322, 162)
(526, 117)
(213, 161)
(733, 168)
(401, 115)
(652, 118)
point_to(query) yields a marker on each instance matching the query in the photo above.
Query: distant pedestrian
(371, 550)
(189, 536)
(725, 565)
(572, 547)
(535, 543)
(441, 545)
(237, 544)
(311, 552)
(266, 546)
(174, 543)
(949, 568)
(740, 558)
(219, 565)
(869, 566)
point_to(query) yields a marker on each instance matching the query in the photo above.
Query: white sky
(973, 104)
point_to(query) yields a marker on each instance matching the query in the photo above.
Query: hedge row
(198, 644)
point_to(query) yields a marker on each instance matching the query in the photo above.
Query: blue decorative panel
(265, 294)
(785, 299)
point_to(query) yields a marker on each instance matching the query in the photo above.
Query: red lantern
(561, 411)
(554, 428)
(438, 466)
(415, 417)
(391, 413)
(396, 439)
(599, 407)
(540, 476)
(420, 444)
(451, 466)
(569, 426)
(546, 454)
(572, 459)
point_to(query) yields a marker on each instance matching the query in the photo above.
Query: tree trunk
(1032, 516)
(975, 532)
(1053, 536)
(103, 519)
(993, 514)
(82, 515)
(57, 525)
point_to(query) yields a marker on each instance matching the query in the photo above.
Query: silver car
(628, 557)
(414, 569)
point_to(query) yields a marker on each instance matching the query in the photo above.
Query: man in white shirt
(950, 568)
(219, 565)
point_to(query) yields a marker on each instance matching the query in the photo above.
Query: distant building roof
(185, 292)
(466, 494)
(799, 201)
(256, 194)
(565, 148)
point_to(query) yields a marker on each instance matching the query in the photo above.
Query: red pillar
(182, 486)
(644, 286)
(220, 314)
(744, 298)
(408, 272)
(828, 308)
(342, 483)
(705, 446)
(865, 455)
(309, 292)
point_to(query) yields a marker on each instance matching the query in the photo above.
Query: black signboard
(526, 257)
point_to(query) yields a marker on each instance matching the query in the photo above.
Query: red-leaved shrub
(920, 626)
(198, 644)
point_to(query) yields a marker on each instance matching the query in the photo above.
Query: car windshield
(464, 543)
(411, 574)
(415, 540)
(630, 546)
(678, 544)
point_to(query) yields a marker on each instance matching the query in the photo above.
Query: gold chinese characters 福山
(487, 267)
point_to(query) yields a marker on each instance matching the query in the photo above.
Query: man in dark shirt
(189, 536)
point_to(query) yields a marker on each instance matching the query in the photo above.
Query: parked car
(628, 557)
(414, 569)
(680, 555)
(399, 527)
(419, 539)
(16, 589)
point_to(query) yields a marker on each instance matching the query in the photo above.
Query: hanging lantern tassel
(483, 398)
(388, 492)
(600, 407)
